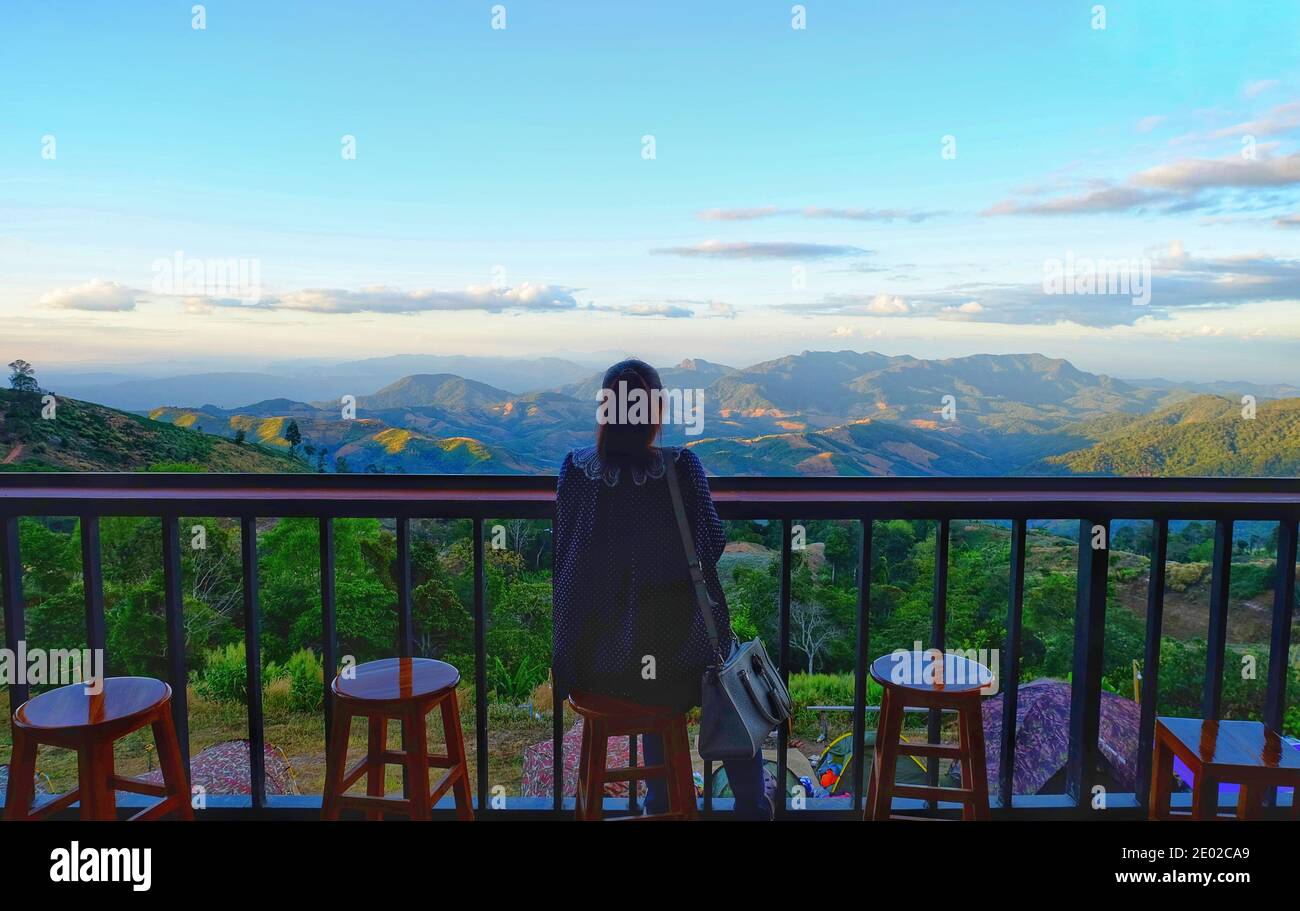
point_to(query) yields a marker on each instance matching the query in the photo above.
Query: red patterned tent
(538, 768)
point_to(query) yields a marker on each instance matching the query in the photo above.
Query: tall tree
(22, 377)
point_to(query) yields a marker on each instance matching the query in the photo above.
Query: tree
(23, 377)
(240, 436)
(293, 436)
(810, 629)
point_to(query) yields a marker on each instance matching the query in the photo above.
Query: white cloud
(1258, 87)
(383, 299)
(96, 295)
(716, 249)
(1149, 123)
(847, 213)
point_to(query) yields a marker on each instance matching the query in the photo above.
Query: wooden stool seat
(405, 690)
(607, 716)
(921, 680)
(1221, 752)
(90, 723)
(397, 680)
(72, 708)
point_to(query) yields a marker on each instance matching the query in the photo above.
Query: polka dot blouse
(625, 617)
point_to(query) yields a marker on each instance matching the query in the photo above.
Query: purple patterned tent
(1042, 735)
(538, 771)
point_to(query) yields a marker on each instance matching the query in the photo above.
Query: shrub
(306, 680)
(1182, 576)
(827, 689)
(224, 674)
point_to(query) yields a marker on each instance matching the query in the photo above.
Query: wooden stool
(1228, 752)
(914, 680)
(405, 689)
(604, 717)
(69, 717)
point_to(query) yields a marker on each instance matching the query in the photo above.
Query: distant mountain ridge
(814, 413)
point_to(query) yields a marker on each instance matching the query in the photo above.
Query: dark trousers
(744, 775)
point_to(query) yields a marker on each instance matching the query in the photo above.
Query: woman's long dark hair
(631, 440)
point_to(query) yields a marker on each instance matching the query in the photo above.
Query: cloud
(1193, 174)
(1109, 199)
(854, 305)
(383, 299)
(1258, 87)
(716, 249)
(1280, 120)
(95, 295)
(962, 311)
(1288, 221)
(669, 311)
(1178, 282)
(722, 309)
(1149, 123)
(739, 214)
(823, 212)
(1178, 186)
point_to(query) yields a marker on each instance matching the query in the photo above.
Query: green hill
(1205, 435)
(86, 437)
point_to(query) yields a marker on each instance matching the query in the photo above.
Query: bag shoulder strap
(702, 599)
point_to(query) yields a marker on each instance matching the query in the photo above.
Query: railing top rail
(737, 497)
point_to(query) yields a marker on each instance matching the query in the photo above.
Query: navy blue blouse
(625, 617)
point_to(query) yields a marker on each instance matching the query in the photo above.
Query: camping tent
(1042, 737)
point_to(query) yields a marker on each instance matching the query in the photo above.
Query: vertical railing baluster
(1279, 647)
(938, 640)
(1009, 672)
(253, 658)
(783, 649)
(402, 579)
(1216, 640)
(1085, 680)
(405, 624)
(1150, 694)
(11, 580)
(174, 609)
(480, 672)
(861, 661)
(328, 615)
(92, 583)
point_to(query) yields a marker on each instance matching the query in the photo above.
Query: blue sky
(501, 200)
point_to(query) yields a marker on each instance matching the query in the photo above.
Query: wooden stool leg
(94, 780)
(584, 771)
(1250, 801)
(173, 766)
(416, 736)
(22, 776)
(454, 735)
(594, 789)
(682, 767)
(336, 761)
(887, 756)
(1162, 770)
(869, 804)
(972, 724)
(376, 744)
(1205, 797)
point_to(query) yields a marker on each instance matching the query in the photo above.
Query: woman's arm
(710, 536)
(560, 529)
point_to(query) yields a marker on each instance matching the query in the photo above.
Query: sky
(239, 183)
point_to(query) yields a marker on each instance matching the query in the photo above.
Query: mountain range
(818, 412)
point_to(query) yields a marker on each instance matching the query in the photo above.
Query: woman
(626, 620)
